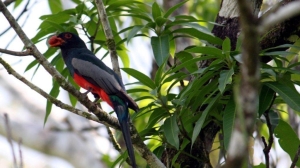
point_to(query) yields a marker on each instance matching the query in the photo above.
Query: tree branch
(151, 159)
(111, 44)
(50, 98)
(247, 101)
(285, 12)
(16, 53)
(103, 117)
(116, 144)
(8, 2)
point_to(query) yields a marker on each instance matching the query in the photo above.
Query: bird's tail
(121, 110)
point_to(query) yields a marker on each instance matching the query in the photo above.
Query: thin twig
(9, 139)
(283, 13)
(20, 15)
(270, 140)
(16, 53)
(116, 144)
(113, 140)
(295, 160)
(20, 153)
(101, 115)
(48, 97)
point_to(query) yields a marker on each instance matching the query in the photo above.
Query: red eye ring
(68, 36)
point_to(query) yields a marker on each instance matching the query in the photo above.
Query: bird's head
(66, 40)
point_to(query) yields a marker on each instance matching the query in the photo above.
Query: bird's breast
(87, 85)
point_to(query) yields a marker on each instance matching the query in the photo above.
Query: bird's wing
(97, 75)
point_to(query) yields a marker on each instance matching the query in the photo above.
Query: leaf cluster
(182, 98)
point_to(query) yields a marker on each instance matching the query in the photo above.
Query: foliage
(205, 94)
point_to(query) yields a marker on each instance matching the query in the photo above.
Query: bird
(92, 74)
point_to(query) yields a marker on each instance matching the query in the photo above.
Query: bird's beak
(55, 41)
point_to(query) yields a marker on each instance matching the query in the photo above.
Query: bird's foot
(88, 91)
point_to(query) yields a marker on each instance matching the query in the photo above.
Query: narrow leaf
(226, 46)
(160, 48)
(156, 12)
(17, 3)
(200, 35)
(289, 95)
(134, 31)
(228, 121)
(206, 50)
(55, 6)
(225, 78)
(265, 99)
(54, 93)
(171, 131)
(172, 9)
(140, 76)
(201, 120)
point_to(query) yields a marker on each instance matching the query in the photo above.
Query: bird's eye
(68, 36)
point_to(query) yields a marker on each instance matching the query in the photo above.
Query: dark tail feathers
(122, 112)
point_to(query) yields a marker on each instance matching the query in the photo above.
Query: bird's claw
(88, 91)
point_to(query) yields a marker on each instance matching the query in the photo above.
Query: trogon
(92, 74)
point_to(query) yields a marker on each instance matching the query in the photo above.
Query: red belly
(86, 85)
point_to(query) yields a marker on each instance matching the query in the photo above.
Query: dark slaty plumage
(92, 74)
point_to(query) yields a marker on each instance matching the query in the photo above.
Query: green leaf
(289, 95)
(156, 12)
(140, 76)
(225, 78)
(73, 99)
(17, 3)
(172, 9)
(54, 93)
(265, 99)
(159, 151)
(226, 46)
(160, 21)
(288, 139)
(201, 120)
(274, 119)
(200, 35)
(206, 50)
(182, 146)
(58, 27)
(261, 165)
(160, 48)
(228, 121)
(172, 46)
(120, 159)
(171, 131)
(55, 6)
(188, 119)
(31, 65)
(185, 56)
(124, 57)
(158, 75)
(134, 31)
(156, 116)
(137, 90)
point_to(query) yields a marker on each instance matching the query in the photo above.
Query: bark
(281, 33)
